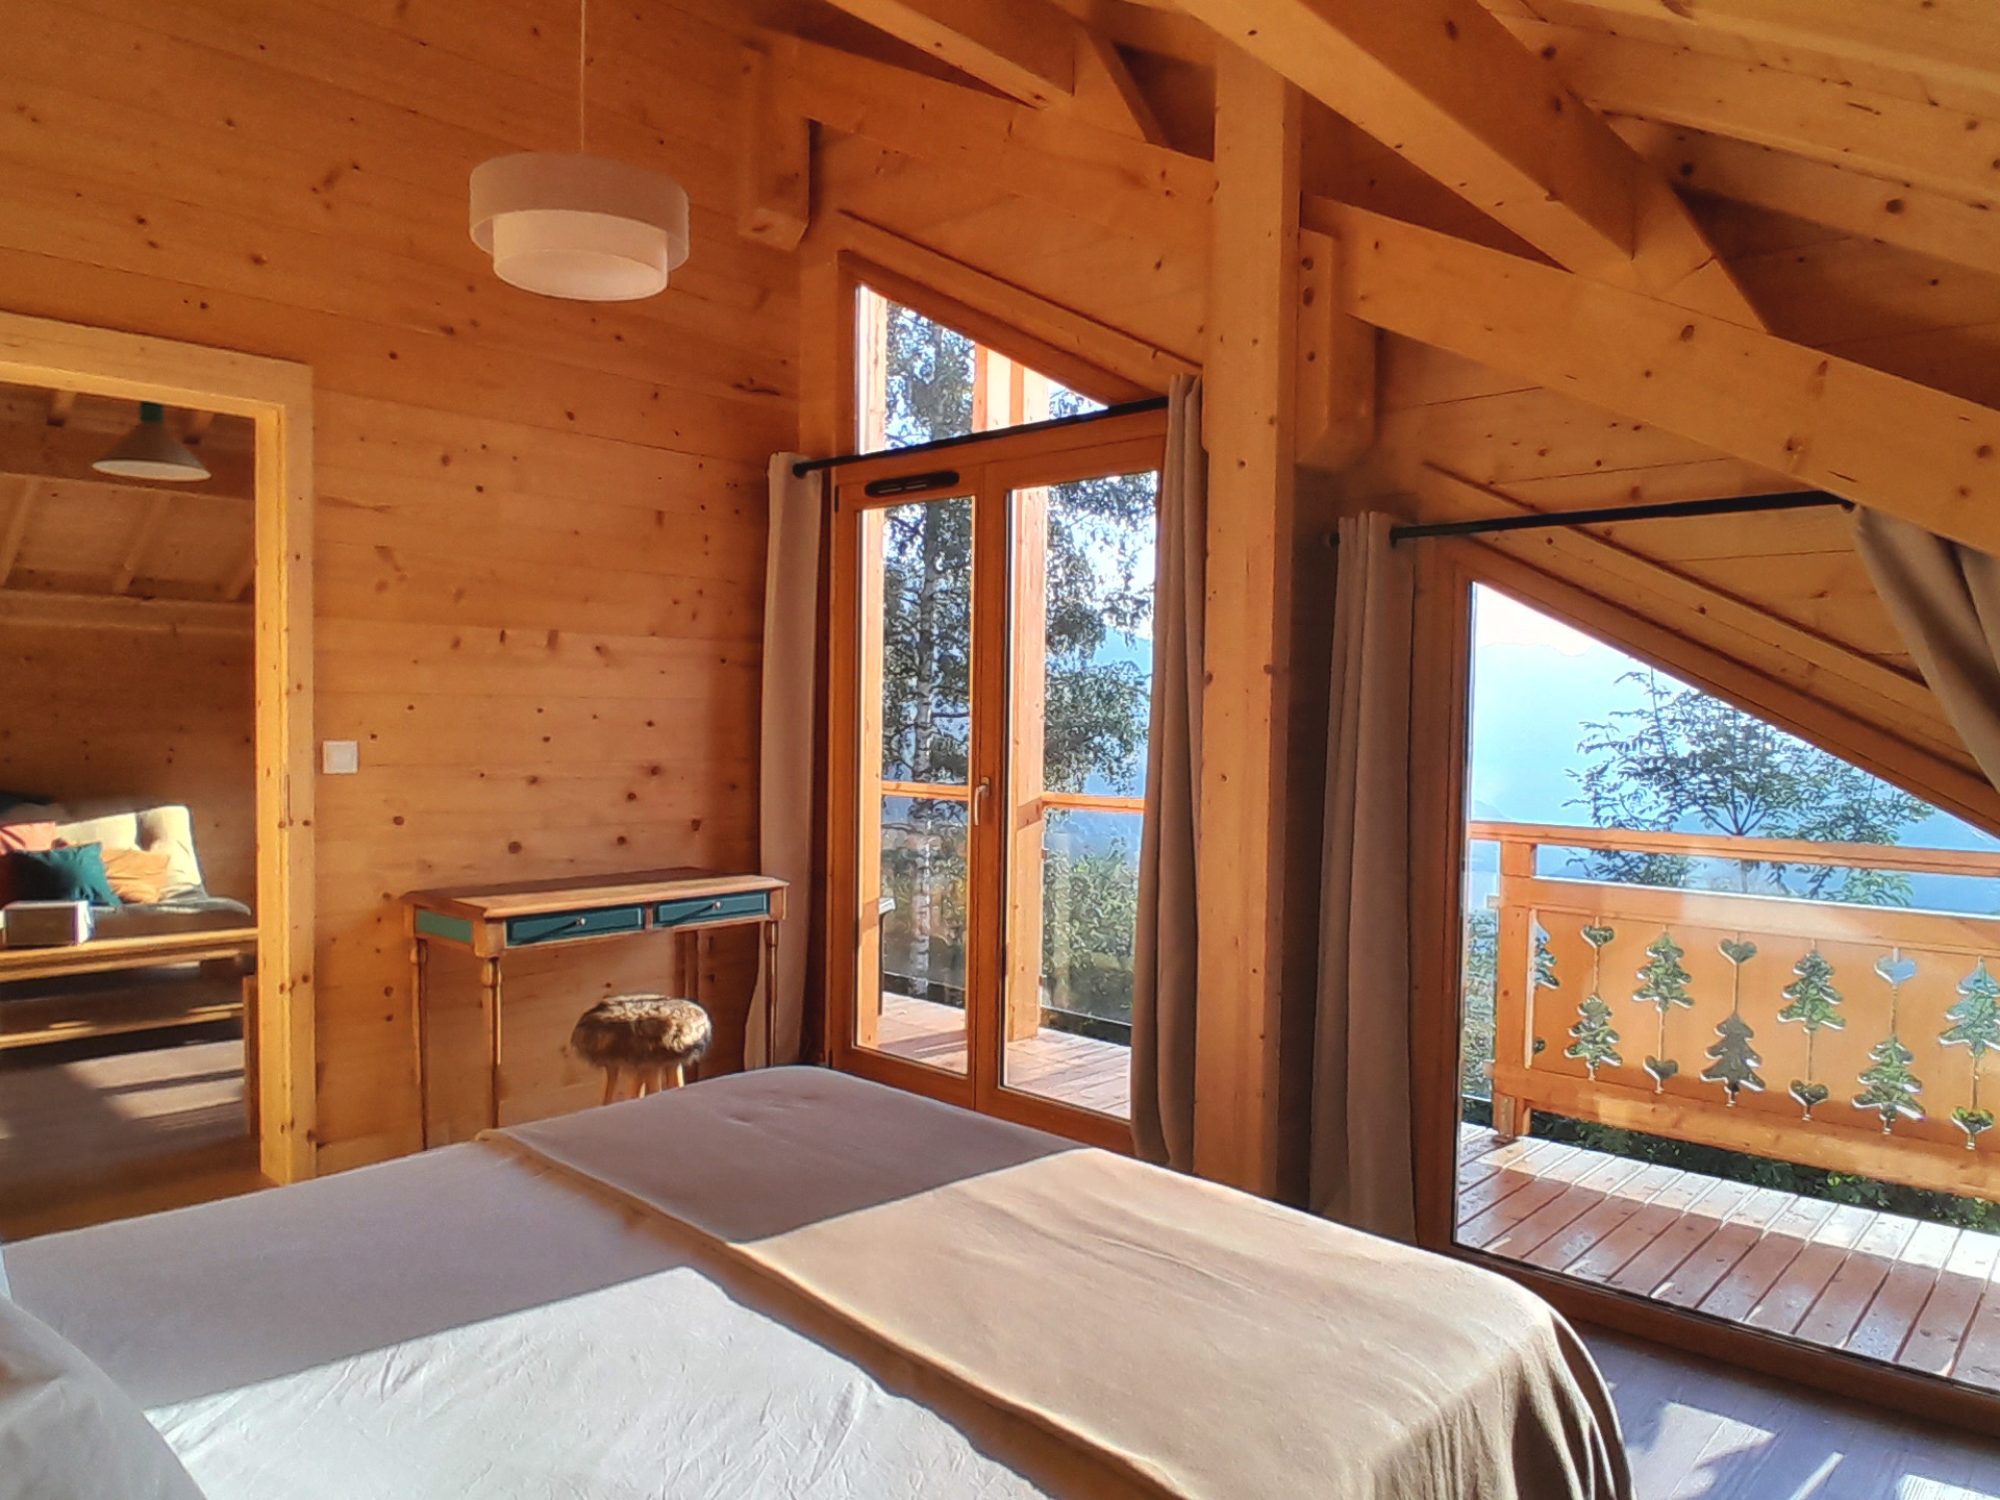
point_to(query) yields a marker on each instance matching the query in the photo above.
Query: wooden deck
(1920, 1295)
(1058, 1065)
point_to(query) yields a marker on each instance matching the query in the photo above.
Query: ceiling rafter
(144, 532)
(1941, 40)
(1024, 48)
(1825, 422)
(1444, 84)
(1929, 145)
(16, 532)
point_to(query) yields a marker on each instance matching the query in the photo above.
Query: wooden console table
(490, 921)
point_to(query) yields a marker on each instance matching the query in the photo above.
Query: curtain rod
(1122, 409)
(1662, 511)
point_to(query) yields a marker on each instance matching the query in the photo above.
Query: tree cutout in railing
(1889, 1087)
(1545, 961)
(1735, 1061)
(1663, 984)
(1815, 1006)
(1976, 1027)
(1596, 1044)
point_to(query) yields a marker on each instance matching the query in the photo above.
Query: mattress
(794, 1283)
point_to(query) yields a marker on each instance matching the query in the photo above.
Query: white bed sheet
(468, 1324)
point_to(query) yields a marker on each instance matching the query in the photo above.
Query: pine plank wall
(540, 536)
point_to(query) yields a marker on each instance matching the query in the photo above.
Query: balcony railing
(1824, 1033)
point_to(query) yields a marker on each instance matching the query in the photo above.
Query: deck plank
(1923, 1295)
(1061, 1065)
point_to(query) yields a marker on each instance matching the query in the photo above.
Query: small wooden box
(46, 924)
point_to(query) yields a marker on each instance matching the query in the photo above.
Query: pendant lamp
(151, 451)
(582, 227)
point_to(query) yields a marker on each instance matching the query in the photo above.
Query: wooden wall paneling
(109, 718)
(543, 523)
(1245, 744)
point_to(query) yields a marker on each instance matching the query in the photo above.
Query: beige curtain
(786, 771)
(1163, 996)
(1359, 1156)
(1945, 600)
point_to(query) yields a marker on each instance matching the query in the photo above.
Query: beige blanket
(1210, 1344)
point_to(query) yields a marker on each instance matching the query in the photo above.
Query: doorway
(256, 416)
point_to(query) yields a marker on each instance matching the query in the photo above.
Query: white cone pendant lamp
(567, 224)
(151, 451)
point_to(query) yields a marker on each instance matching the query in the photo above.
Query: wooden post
(1335, 388)
(867, 955)
(774, 168)
(1513, 963)
(1250, 418)
(489, 1007)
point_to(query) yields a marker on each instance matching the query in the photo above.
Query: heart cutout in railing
(1597, 937)
(1662, 1068)
(1737, 951)
(1810, 1095)
(1896, 969)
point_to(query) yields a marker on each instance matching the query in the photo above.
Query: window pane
(916, 634)
(1083, 666)
(1727, 1003)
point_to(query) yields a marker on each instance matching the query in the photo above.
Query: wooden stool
(643, 1042)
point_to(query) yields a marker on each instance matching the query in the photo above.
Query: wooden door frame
(990, 469)
(1441, 744)
(277, 397)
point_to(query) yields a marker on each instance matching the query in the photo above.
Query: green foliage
(1890, 1088)
(1091, 912)
(1814, 1001)
(1480, 968)
(1975, 1020)
(1544, 977)
(1596, 1044)
(1663, 983)
(1734, 1061)
(1687, 761)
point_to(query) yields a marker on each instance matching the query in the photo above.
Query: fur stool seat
(642, 1042)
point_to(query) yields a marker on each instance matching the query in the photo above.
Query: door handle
(979, 799)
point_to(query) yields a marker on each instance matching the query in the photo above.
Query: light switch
(339, 757)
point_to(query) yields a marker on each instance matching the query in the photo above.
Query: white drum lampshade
(580, 227)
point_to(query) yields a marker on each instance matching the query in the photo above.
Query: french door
(991, 667)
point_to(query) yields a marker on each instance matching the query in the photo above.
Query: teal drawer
(557, 927)
(712, 909)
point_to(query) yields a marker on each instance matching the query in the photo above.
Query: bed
(792, 1283)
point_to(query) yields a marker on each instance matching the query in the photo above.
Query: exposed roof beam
(1955, 40)
(1111, 180)
(61, 404)
(1907, 140)
(1897, 213)
(1107, 94)
(1024, 48)
(1875, 438)
(150, 520)
(1446, 85)
(16, 531)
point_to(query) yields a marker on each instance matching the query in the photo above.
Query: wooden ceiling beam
(1444, 84)
(150, 521)
(61, 404)
(1826, 422)
(1897, 213)
(1942, 40)
(1904, 140)
(1101, 177)
(31, 448)
(1024, 48)
(16, 532)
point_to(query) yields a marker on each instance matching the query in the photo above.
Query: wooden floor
(1696, 1430)
(1058, 1065)
(1923, 1296)
(92, 1132)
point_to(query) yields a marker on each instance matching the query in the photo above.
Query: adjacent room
(1023, 748)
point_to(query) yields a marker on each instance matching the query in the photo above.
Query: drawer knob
(715, 906)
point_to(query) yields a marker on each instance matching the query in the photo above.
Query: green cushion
(75, 873)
